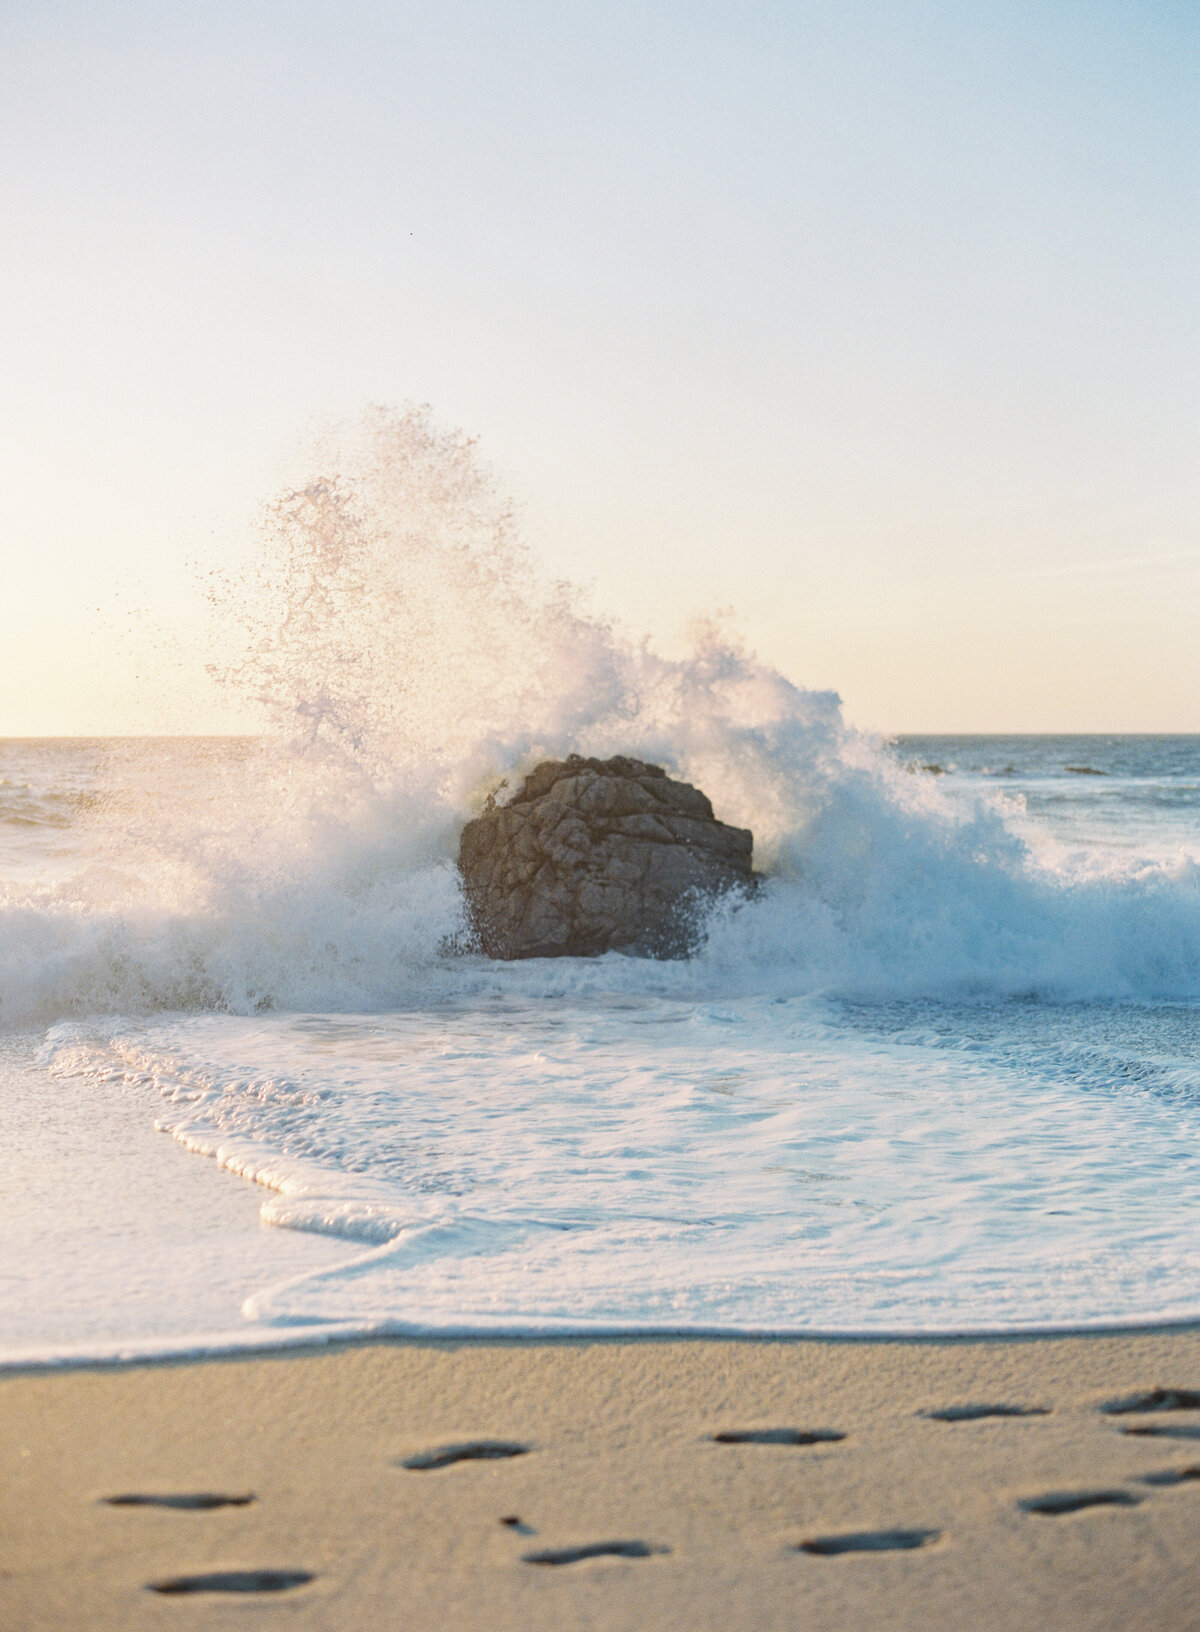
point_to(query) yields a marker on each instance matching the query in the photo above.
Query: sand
(618, 1448)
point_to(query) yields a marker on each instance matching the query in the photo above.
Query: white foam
(658, 1164)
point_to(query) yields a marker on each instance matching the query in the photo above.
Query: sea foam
(640, 1162)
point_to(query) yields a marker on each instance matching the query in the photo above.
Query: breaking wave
(409, 657)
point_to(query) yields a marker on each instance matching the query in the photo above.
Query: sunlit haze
(871, 326)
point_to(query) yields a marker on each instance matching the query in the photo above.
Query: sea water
(942, 1074)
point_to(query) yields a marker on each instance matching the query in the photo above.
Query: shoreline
(236, 1346)
(482, 1483)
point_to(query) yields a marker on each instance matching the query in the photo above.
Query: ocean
(943, 1075)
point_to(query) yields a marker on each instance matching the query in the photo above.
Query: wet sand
(614, 1484)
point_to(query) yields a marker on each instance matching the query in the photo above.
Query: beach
(533, 1450)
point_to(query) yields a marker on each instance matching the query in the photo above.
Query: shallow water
(115, 1241)
(751, 1164)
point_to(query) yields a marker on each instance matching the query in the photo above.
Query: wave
(409, 658)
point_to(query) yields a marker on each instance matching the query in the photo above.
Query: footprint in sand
(1057, 1502)
(233, 1581)
(867, 1541)
(1154, 1399)
(471, 1450)
(974, 1413)
(594, 1549)
(1171, 1476)
(777, 1436)
(192, 1501)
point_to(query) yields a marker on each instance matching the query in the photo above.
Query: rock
(599, 855)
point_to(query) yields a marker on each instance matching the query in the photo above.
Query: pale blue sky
(874, 321)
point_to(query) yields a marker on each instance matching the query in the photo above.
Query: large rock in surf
(598, 855)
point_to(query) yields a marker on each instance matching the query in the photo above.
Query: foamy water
(942, 1074)
(559, 1163)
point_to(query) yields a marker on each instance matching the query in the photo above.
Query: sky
(871, 322)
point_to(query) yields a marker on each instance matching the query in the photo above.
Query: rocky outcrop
(598, 855)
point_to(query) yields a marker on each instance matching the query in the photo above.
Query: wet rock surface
(593, 856)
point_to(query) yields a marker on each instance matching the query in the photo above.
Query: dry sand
(619, 1448)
